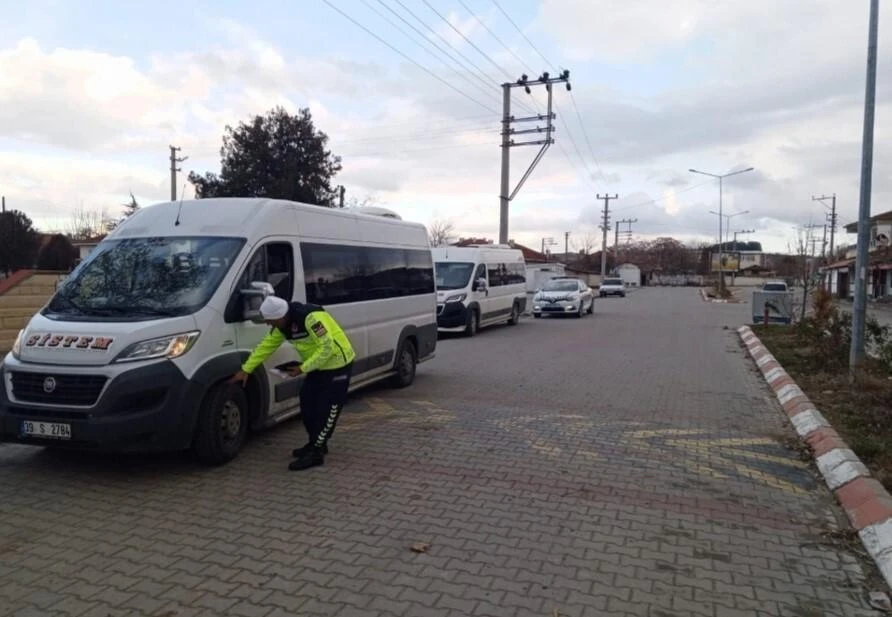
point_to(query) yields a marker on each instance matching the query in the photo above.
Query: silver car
(564, 295)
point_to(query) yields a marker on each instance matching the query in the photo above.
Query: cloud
(735, 89)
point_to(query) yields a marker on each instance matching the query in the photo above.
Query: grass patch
(861, 412)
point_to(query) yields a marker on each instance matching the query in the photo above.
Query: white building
(630, 274)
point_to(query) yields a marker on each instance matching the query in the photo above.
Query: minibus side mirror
(252, 298)
(480, 285)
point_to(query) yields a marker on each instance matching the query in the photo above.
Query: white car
(564, 295)
(612, 287)
(774, 286)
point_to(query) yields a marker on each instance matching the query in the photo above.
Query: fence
(677, 280)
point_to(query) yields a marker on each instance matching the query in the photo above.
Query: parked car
(774, 286)
(612, 287)
(564, 295)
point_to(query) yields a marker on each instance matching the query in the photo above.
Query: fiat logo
(49, 385)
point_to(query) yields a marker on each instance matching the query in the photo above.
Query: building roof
(89, 241)
(882, 216)
(529, 255)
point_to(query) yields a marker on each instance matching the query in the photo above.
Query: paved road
(625, 464)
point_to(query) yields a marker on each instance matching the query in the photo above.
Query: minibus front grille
(48, 388)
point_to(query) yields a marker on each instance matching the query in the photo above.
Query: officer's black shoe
(312, 458)
(299, 452)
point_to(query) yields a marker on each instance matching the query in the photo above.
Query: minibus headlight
(169, 347)
(456, 298)
(17, 345)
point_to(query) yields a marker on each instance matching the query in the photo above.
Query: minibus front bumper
(452, 315)
(141, 408)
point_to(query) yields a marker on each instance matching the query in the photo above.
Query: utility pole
(628, 235)
(605, 227)
(341, 191)
(859, 311)
(547, 242)
(831, 218)
(508, 143)
(173, 170)
(567, 245)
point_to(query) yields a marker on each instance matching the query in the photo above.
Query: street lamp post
(721, 178)
(724, 241)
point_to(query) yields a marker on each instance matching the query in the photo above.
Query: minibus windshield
(453, 274)
(139, 278)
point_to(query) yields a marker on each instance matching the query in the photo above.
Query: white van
(133, 350)
(478, 286)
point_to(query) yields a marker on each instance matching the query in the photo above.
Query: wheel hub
(230, 420)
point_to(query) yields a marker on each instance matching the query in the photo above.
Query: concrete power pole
(341, 191)
(567, 245)
(628, 235)
(831, 218)
(508, 143)
(862, 259)
(173, 171)
(605, 226)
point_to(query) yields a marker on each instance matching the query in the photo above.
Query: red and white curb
(867, 504)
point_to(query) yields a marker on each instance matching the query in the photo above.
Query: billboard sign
(730, 262)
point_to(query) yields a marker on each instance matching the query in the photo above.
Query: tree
(440, 232)
(806, 272)
(57, 254)
(365, 202)
(87, 224)
(278, 155)
(130, 207)
(585, 243)
(19, 241)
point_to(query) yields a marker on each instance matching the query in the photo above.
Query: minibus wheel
(222, 424)
(406, 363)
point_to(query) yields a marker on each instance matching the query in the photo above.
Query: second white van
(479, 286)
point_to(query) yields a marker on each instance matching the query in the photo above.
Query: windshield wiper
(143, 310)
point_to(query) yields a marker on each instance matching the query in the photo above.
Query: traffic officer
(326, 360)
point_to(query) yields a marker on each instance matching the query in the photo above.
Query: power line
(493, 34)
(418, 64)
(654, 201)
(481, 74)
(469, 41)
(486, 88)
(516, 27)
(585, 133)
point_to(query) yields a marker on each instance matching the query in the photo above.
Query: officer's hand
(295, 371)
(240, 378)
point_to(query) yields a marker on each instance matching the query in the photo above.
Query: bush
(57, 254)
(827, 332)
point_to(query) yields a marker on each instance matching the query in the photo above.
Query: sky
(93, 92)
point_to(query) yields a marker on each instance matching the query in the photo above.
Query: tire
(591, 306)
(406, 365)
(222, 424)
(537, 315)
(515, 315)
(581, 310)
(473, 323)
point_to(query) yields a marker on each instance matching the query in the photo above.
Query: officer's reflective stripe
(329, 425)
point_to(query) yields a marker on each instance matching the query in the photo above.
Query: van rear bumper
(148, 408)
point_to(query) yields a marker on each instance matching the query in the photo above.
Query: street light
(721, 177)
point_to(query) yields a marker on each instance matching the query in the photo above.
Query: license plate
(47, 430)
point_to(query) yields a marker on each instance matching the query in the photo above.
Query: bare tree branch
(89, 223)
(440, 232)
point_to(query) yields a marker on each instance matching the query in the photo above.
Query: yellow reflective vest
(318, 339)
